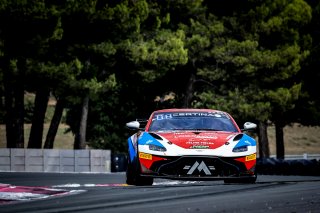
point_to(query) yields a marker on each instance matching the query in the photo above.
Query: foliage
(253, 59)
(254, 65)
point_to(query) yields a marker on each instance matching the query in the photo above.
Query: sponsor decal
(198, 137)
(199, 147)
(200, 166)
(145, 156)
(251, 157)
(247, 142)
(190, 114)
(149, 141)
(200, 143)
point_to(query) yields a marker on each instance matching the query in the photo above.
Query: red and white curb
(10, 193)
(164, 183)
(75, 185)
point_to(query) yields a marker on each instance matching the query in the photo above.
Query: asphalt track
(108, 193)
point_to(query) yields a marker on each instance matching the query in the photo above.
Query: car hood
(198, 139)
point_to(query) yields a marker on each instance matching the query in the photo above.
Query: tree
(109, 25)
(251, 65)
(26, 33)
(284, 21)
(53, 129)
(14, 105)
(142, 58)
(220, 67)
(307, 111)
(103, 59)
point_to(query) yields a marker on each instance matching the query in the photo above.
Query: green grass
(298, 139)
(62, 140)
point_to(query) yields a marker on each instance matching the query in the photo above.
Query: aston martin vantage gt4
(190, 144)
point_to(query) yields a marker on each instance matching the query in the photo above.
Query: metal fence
(304, 156)
(53, 160)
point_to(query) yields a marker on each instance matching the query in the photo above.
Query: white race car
(190, 144)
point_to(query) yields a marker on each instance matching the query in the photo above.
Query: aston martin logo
(201, 167)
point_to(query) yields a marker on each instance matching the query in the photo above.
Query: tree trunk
(40, 108)
(80, 138)
(76, 144)
(189, 91)
(9, 116)
(2, 104)
(263, 140)
(19, 118)
(54, 125)
(19, 103)
(14, 105)
(279, 140)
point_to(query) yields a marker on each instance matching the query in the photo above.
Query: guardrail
(54, 160)
(304, 156)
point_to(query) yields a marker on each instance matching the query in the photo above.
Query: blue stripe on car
(132, 151)
(246, 141)
(147, 139)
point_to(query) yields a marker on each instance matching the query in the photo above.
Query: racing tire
(133, 174)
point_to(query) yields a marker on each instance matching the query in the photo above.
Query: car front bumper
(199, 167)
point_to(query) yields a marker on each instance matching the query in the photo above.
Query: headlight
(240, 149)
(157, 148)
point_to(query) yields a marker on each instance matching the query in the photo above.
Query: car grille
(193, 166)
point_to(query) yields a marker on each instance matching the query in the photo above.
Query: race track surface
(62, 192)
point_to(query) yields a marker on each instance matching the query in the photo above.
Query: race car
(190, 144)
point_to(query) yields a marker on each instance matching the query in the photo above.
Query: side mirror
(249, 126)
(133, 125)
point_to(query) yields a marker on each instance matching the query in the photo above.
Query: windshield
(211, 121)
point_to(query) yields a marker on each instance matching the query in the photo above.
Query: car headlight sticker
(157, 148)
(240, 149)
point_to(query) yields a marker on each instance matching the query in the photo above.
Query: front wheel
(133, 176)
